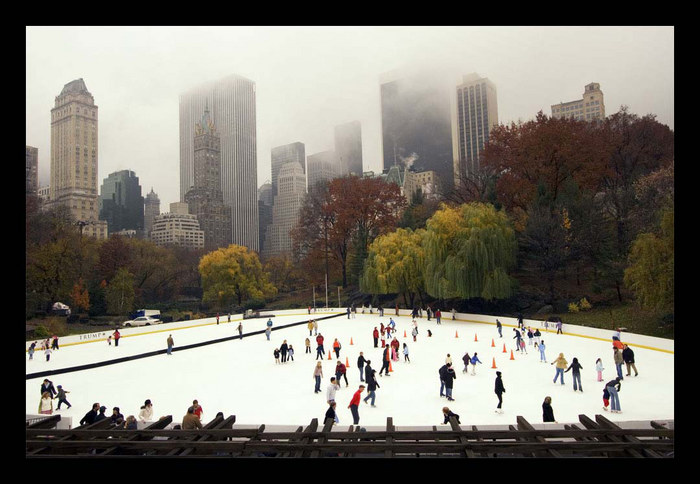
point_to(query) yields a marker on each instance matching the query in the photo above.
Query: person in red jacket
(320, 352)
(375, 335)
(116, 335)
(340, 371)
(354, 404)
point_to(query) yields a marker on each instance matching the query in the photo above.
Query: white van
(154, 313)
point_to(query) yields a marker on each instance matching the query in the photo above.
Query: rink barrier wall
(634, 340)
(43, 374)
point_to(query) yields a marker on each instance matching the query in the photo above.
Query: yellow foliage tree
(233, 273)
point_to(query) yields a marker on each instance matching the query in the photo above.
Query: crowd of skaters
(390, 345)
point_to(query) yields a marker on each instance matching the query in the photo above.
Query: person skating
(331, 414)
(361, 366)
(240, 330)
(117, 336)
(628, 358)
(170, 342)
(517, 338)
(276, 353)
(617, 358)
(599, 368)
(542, 347)
(308, 345)
(320, 352)
(575, 368)
(499, 327)
(375, 336)
(310, 326)
(336, 347)
(372, 386)
(47, 386)
(475, 359)
(405, 353)
(466, 359)
(318, 374)
(284, 348)
(332, 388)
(449, 376)
(290, 353)
(61, 396)
(613, 388)
(46, 404)
(537, 335)
(354, 405)
(386, 359)
(561, 366)
(448, 414)
(499, 390)
(340, 371)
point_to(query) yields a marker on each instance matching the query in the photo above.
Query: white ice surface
(240, 377)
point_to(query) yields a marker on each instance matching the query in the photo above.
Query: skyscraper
(232, 105)
(121, 203)
(151, 209)
(285, 209)
(32, 169)
(321, 166)
(348, 146)
(416, 124)
(74, 157)
(205, 199)
(290, 153)
(475, 115)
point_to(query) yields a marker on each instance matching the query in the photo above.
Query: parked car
(141, 321)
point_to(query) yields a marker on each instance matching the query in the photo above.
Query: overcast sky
(311, 78)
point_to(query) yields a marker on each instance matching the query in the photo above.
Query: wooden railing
(597, 437)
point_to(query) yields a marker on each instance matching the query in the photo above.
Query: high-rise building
(590, 107)
(285, 209)
(321, 166)
(177, 228)
(74, 157)
(151, 209)
(416, 124)
(290, 153)
(205, 199)
(121, 202)
(32, 169)
(265, 200)
(348, 146)
(475, 115)
(232, 104)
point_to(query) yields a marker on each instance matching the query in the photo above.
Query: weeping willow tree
(468, 251)
(394, 265)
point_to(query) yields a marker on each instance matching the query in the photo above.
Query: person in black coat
(330, 413)
(283, 350)
(628, 358)
(576, 368)
(89, 417)
(449, 376)
(361, 365)
(372, 386)
(47, 386)
(499, 390)
(101, 415)
(448, 414)
(547, 411)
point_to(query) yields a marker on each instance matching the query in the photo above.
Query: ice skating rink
(240, 377)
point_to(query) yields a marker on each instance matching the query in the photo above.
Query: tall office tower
(177, 228)
(205, 199)
(475, 114)
(285, 209)
(348, 146)
(264, 211)
(74, 157)
(588, 108)
(321, 166)
(121, 203)
(416, 124)
(32, 170)
(232, 104)
(151, 209)
(293, 152)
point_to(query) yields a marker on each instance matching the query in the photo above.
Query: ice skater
(537, 335)
(386, 358)
(336, 347)
(117, 335)
(499, 327)
(599, 368)
(561, 366)
(499, 390)
(240, 330)
(405, 353)
(617, 358)
(466, 359)
(284, 348)
(375, 336)
(628, 358)
(372, 386)
(318, 374)
(542, 347)
(332, 388)
(331, 413)
(475, 359)
(290, 353)
(170, 342)
(61, 396)
(32, 347)
(354, 405)
(613, 388)
(46, 404)
(547, 410)
(340, 371)
(449, 377)
(575, 368)
(517, 338)
(276, 353)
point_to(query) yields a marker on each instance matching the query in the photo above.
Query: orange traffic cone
(511, 355)
(329, 354)
(475, 337)
(351, 340)
(390, 369)
(404, 333)
(494, 363)
(504, 348)
(493, 343)
(347, 363)
(456, 335)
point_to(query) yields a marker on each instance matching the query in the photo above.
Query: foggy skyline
(310, 79)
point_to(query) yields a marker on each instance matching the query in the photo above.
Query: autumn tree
(469, 251)
(395, 265)
(79, 296)
(119, 293)
(233, 274)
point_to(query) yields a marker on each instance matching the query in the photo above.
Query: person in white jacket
(146, 412)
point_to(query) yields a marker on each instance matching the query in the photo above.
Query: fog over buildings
(310, 79)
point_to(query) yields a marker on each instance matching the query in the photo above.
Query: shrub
(573, 307)
(584, 305)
